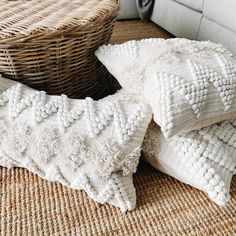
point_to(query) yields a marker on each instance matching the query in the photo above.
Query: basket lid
(21, 18)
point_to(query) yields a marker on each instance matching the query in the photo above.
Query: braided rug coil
(49, 45)
(33, 206)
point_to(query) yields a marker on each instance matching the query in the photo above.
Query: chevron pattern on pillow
(83, 144)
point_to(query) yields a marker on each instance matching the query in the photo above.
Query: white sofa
(213, 20)
(128, 9)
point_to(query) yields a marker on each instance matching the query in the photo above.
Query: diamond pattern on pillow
(205, 158)
(189, 84)
(83, 144)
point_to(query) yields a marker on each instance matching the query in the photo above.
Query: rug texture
(33, 206)
(30, 205)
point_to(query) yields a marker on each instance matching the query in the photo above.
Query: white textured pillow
(189, 84)
(205, 159)
(83, 144)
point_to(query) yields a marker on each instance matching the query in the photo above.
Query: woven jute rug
(30, 205)
(33, 206)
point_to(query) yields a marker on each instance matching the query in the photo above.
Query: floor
(136, 29)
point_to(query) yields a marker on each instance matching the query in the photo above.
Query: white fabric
(189, 84)
(183, 18)
(204, 159)
(194, 4)
(210, 30)
(176, 18)
(83, 144)
(221, 12)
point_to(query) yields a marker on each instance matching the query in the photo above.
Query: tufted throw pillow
(189, 84)
(204, 158)
(83, 144)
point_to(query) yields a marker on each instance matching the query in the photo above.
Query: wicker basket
(49, 45)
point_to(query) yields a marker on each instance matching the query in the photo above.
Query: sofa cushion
(216, 10)
(210, 30)
(172, 16)
(194, 4)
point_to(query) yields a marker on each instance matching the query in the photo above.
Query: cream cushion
(83, 144)
(189, 84)
(204, 158)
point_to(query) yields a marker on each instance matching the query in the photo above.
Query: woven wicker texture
(32, 206)
(49, 45)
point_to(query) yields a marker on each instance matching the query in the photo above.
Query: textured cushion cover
(83, 144)
(189, 84)
(205, 158)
